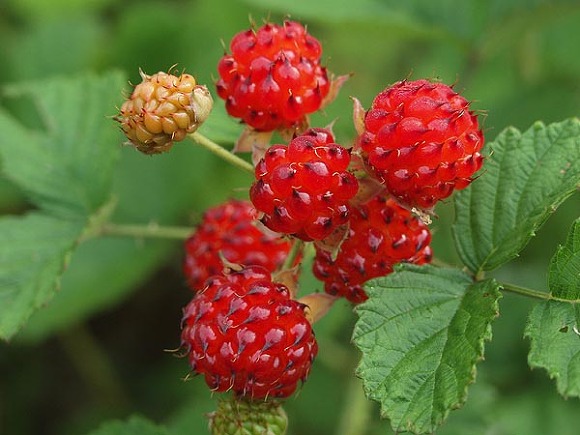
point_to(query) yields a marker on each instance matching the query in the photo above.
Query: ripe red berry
(303, 189)
(421, 141)
(243, 333)
(273, 77)
(231, 230)
(381, 234)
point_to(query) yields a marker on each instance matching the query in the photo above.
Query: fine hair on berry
(273, 77)
(421, 141)
(245, 334)
(381, 234)
(303, 189)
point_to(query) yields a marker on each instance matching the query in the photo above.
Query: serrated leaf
(135, 425)
(421, 333)
(526, 177)
(554, 331)
(564, 272)
(66, 165)
(33, 254)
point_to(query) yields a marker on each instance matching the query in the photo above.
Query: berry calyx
(163, 109)
(232, 232)
(242, 417)
(273, 78)
(421, 140)
(243, 333)
(381, 234)
(303, 189)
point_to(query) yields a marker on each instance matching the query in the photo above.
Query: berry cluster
(244, 331)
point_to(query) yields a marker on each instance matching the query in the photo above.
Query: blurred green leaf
(164, 189)
(564, 274)
(220, 127)
(553, 329)
(421, 333)
(44, 8)
(66, 166)
(135, 425)
(441, 19)
(100, 273)
(66, 43)
(526, 177)
(534, 410)
(33, 253)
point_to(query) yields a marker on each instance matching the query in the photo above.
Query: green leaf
(135, 425)
(525, 178)
(564, 272)
(220, 127)
(441, 19)
(553, 328)
(115, 267)
(157, 189)
(33, 253)
(66, 165)
(421, 333)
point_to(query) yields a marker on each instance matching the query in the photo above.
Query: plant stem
(535, 293)
(294, 252)
(356, 409)
(221, 152)
(94, 366)
(151, 230)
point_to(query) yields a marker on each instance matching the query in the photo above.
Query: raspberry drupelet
(244, 333)
(303, 189)
(273, 78)
(421, 140)
(381, 234)
(231, 231)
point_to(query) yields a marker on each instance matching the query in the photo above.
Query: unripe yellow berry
(163, 109)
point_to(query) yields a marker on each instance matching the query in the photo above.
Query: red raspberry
(244, 333)
(232, 230)
(421, 141)
(381, 234)
(303, 188)
(273, 77)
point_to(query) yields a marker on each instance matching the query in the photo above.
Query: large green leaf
(66, 165)
(135, 425)
(526, 177)
(421, 333)
(33, 253)
(553, 328)
(564, 273)
(164, 189)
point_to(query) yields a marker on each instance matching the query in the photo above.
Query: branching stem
(151, 230)
(222, 152)
(294, 252)
(535, 293)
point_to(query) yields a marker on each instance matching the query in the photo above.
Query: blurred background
(97, 351)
